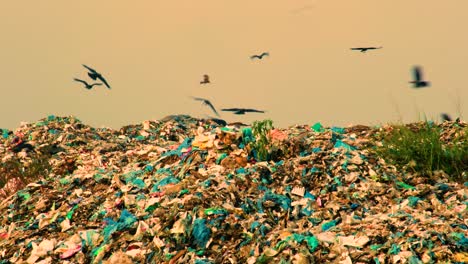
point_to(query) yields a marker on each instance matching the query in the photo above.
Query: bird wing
(446, 117)
(99, 76)
(265, 54)
(89, 68)
(417, 73)
(93, 76)
(96, 84)
(255, 56)
(356, 48)
(212, 107)
(231, 109)
(253, 110)
(198, 98)
(81, 81)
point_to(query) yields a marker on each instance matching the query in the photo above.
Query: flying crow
(445, 117)
(418, 78)
(259, 56)
(208, 103)
(241, 111)
(96, 75)
(206, 79)
(87, 85)
(364, 49)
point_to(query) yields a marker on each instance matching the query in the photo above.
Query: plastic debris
(186, 190)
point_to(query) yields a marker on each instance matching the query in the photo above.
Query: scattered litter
(185, 190)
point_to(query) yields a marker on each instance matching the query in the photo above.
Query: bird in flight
(87, 85)
(93, 74)
(418, 81)
(241, 111)
(208, 103)
(259, 56)
(445, 117)
(364, 49)
(206, 79)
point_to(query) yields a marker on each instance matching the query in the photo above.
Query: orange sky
(154, 53)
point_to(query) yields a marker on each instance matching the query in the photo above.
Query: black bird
(87, 85)
(259, 56)
(206, 79)
(241, 111)
(364, 49)
(445, 117)
(96, 75)
(208, 103)
(418, 78)
(218, 121)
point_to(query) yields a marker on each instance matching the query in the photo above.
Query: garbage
(186, 190)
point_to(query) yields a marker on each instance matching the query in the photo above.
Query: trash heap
(186, 190)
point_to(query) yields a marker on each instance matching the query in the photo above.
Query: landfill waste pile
(187, 190)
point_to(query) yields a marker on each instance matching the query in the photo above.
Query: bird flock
(418, 82)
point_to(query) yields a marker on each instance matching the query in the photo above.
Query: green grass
(24, 172)
(261, 145)
(420, 149)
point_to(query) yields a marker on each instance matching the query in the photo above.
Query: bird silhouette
(259, 56)
(206, 79)
(418, 81)
(445, 117)
(242, 111)
(218, 121)
(206, 102)
(87, 85)
(93, 74)
(364, 49)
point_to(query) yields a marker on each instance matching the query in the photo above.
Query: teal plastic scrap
(201, 233)
(241, 170)
(405, 186)
(5, 133)
(163, 182)
(312, 241)
(149, 168)
(165, 171)
(394, 249)
(125, 221)
(413, 201)
(25, 196)
(376, 247)
(338, 130)
(461, 240)
(326, 226)
(341, 144)
(70, 213)
(310, 196)
(216, 211)
(220, 158)
(282, 200)
(247, 135)
(316, 150)
(317, 127)
(133, 178)
(414, 260)
(185, 145)
(51, 118)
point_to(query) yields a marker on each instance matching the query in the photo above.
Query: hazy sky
(154, 53)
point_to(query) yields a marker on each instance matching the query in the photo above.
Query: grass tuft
(261, 145)
(15, 174)
(421, 150)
